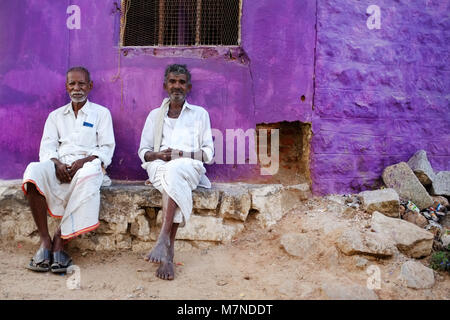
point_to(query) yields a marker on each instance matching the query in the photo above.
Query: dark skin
(163, 253)
(78, 87)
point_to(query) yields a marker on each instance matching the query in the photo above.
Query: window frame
(181, 47)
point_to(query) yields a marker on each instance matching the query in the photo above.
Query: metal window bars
(181, 22)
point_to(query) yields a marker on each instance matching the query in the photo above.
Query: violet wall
(379, 95)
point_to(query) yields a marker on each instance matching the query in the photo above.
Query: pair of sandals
(44, 260)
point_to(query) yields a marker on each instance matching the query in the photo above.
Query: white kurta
(68, 139)
(190, 132)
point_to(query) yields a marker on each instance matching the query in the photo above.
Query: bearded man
(175, 142)
(76, 147)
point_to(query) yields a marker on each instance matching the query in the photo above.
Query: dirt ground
(253, 266)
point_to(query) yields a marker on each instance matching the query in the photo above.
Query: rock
(353, 242)
(417, 276)
(409, 238)
(141, 228)
(402, 179)
(440, 199)
(441, 184)
(119, 226)
(445, 238)
(416, 218)
(421, 167)
(273, 201)
(267, 200)
(298, 244)
(205, 198)
(339, 291)
(445, 221)
(128, 213)
(385, 201)
(235, 204)
(119, 206)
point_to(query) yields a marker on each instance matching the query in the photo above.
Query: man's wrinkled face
(177, 87)
(78, 86)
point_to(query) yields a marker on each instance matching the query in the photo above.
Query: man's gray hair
(177, 69)
(81, 69)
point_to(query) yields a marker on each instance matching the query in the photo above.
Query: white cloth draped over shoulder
(69, 138)
(190, 132)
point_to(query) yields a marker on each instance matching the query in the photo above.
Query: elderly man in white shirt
(175, 142)
(76, 147)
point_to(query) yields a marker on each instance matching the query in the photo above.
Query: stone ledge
(130, 213)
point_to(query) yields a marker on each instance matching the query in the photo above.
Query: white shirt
(69, 138)
(169, 124)
(191, 132)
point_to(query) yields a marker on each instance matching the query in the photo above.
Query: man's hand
(78, 164)
(171, 154)
(165, 155)
(62, 171)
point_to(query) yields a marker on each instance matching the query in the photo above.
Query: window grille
(181, 22)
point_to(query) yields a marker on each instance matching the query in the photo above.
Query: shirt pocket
(88, 136)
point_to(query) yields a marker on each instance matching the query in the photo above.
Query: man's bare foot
(165, 270)
(160, 252)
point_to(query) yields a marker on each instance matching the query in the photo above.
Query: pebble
(221, 283)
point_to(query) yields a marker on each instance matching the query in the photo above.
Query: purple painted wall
(379, 94)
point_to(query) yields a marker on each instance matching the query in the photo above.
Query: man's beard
(180, 97)
(78, 99)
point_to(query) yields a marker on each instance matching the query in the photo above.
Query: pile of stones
(420, 194)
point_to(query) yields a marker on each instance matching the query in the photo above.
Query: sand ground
(253, 266)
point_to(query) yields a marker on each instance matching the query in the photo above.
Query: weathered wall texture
(264, 85)
(379, 95)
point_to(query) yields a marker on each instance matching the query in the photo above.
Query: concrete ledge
(130, 214)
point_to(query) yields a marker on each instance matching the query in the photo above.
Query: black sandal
(61, 261)
(41, 261)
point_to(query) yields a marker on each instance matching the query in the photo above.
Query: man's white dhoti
(77, 202)
(190, 132)
(177, 178)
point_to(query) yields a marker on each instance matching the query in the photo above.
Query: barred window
(181, 22)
